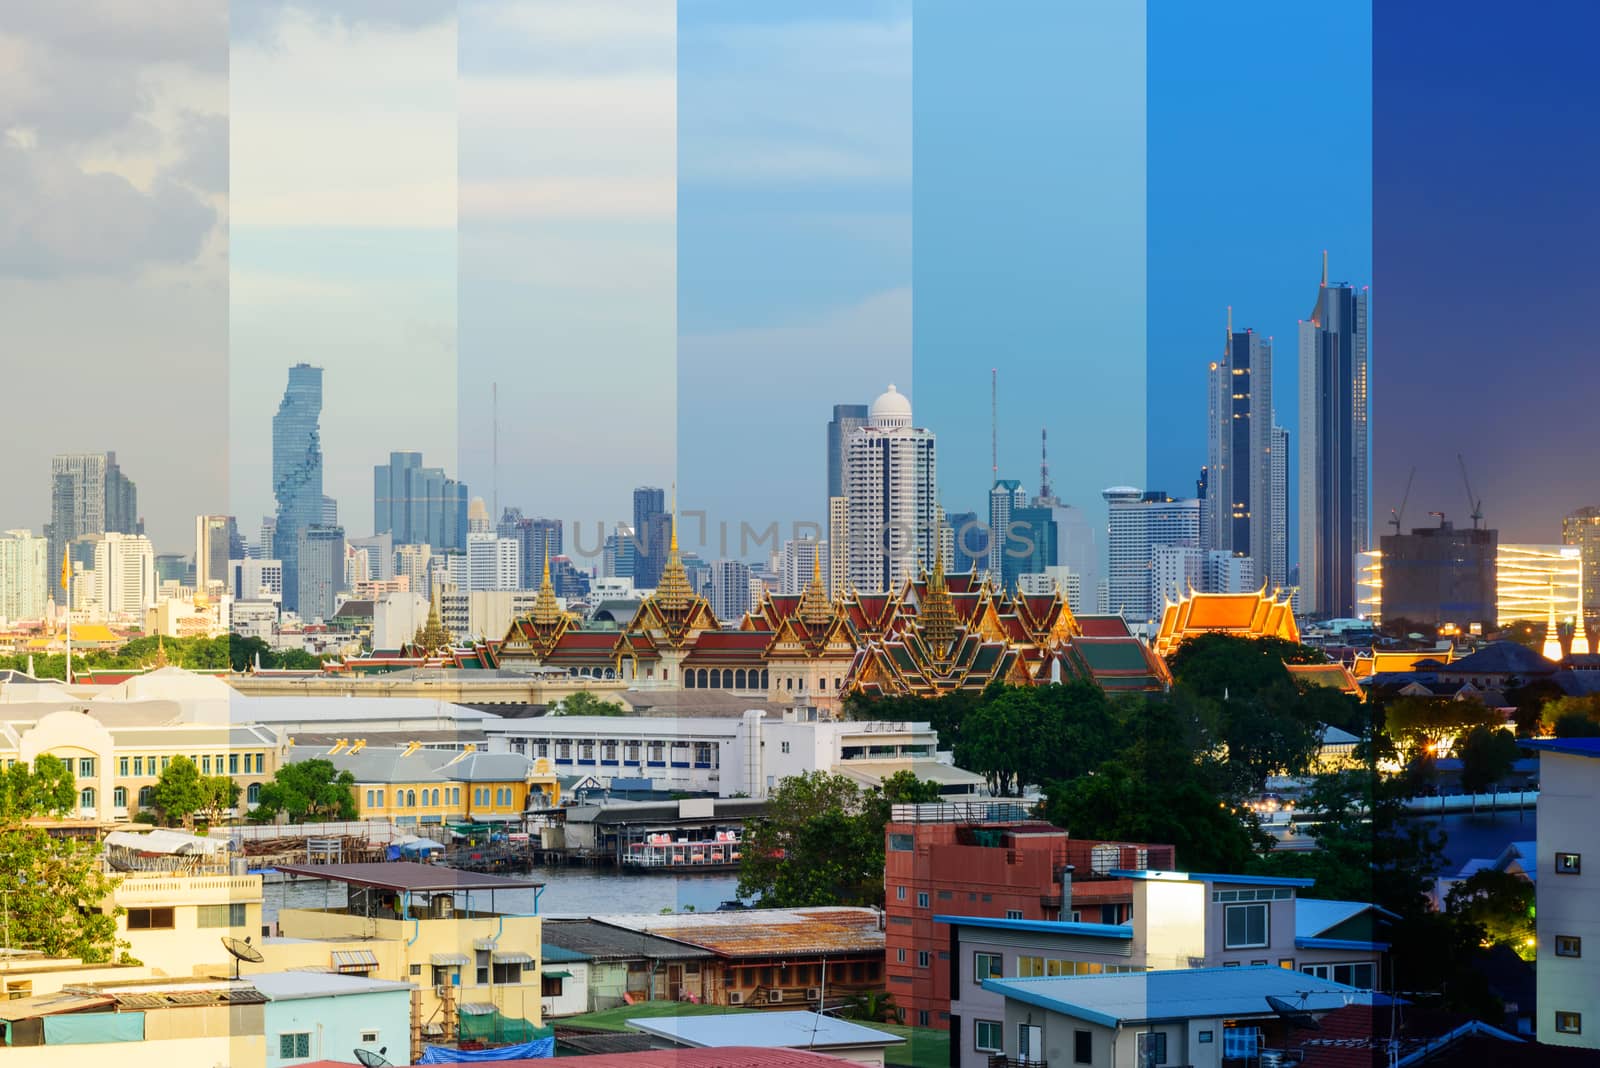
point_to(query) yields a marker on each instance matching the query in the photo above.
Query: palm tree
(875, 1006)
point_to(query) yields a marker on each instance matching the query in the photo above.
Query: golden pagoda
(674, 613)
(541, 630)
(432, 637)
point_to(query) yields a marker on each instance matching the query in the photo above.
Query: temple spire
(1552, 637)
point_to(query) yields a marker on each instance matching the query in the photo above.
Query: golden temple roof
(1247, 615)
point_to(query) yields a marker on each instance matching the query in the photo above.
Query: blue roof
(1207, 877)
(556, 955)
(771, 1030)
(1584, 747)
(1054, 927)
(1314, 915)
(1180, 994)
(1340, 943)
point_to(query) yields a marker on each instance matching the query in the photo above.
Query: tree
(1499, 906)
(1426, 724)
(179, 793)
(218, 794)
(45, 789)
(1487, 756)
(309, 791)
(819, 843)
(1576, 725)
(1529, 700)
(1574, 711)
(1218, 665)
(904, 788)
(873, 1006)
(584, 703)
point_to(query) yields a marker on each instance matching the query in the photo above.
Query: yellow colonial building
(414, 785)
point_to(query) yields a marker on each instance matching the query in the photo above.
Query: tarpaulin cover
(79, 1028)
(525, 1051)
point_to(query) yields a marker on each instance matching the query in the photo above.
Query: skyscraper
(1139, 523)
(214, 536)
(419, 505)
(297, 479)
(1333, 489)
(892, 491)
(1239, 465)
(493, 562)
(730, 589)
(652, 531)
(321, 555)
(89, 494)
(25, 575)
(1582, 528)
(847, 419)
(124, 575)
(969, 540)
(1005, 497)
(1278, 535)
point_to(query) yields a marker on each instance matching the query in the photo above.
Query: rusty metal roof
(767, 933)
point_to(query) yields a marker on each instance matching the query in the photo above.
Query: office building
(893, 495)
(1005, 497)
(838, 573)
(25, 576)
(1440, 577)
(89, 494)
(123, 580)
(1031, 544)
(1333, 484)
(1530, 580)
(493, 562)
(652, 531)
(413, 563)
(1225, 572)
(799, 558)
(321, 556)
(256, 580)
(1175, 570)
(1238, 477)
(847, 419)
(1582, 529)
(478, 517)
(730, 590)
(417, 505)
(618, 554)
(269, 523)
(378, 551)
(969, 543)
(1568, 978)
(214, 537)
(1278, 524)
(1138, 522)
(297, 477)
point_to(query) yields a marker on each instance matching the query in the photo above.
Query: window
(138, 766)
(205, 764)
(119, 797)
(122, 767)
(922, 958)
(549, 986)
(86, 767)
(922, 899)
(899, 893)
(1028, 967)
(1013, 914)
(219, 915)
(1287, 964)
(900, 843)
(784, 746)
(1569, 863)
(922, 1018)
(147, 796)
(1204, 1037)
(1082, 1047)
(1362, 975)
(483, 967)
(900, 955)
(1152, 1047)
(292, 1044)
(253, 794)
(233, 763)
(1569, 1023)
(150, 919)
(166, 760)
(508, 971)
(986, 966)
(1569, 946)
(369, 1038)
(86, 797)
(372, 797)
(446, 975)
(1245, 926)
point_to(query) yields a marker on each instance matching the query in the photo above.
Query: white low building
(1569, 980)
(745, 756)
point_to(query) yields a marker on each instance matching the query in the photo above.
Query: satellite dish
(241, 951)
(1295, 1016)
(373, 1060)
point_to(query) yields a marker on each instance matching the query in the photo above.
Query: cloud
(205, 152)
(56, 219)
(261, 21)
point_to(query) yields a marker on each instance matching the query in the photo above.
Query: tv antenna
(1395, 515)
(1476, 503)
(373, 1060)
(241, 951)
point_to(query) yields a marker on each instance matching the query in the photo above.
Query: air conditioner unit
(774, 996)
(812, 993)
(736, 997)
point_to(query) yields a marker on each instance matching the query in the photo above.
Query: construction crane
(1474, 502)
(1396, 515)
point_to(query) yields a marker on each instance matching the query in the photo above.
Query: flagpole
(66, 569)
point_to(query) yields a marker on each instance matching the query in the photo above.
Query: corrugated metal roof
(766, 932)
(598, 941)
(808, 1030)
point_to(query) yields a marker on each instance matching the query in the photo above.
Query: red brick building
(988, 858)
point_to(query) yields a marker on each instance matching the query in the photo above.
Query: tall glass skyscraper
(653, 531)
(1239, 449)
(297, 471)
(847, 419)
(419, 505)
(1334, 506)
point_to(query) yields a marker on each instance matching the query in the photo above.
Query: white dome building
(891, 411)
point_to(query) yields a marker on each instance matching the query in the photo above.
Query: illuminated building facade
(1533, 579)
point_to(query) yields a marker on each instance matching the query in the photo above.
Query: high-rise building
(1582, 529)
(321, 556)
(1278, 526)
(1441, 575)
(893, 494)
(617, 555)
(1239, 465)
(123, 579)
(847, 419)
(25, 575)
(1031, 543)
(493, 562)
(652, 530)
(730, 589)
(1225, 572)
(379, 553)
(214, 537)
(257, 580)
(1137, 523)
(264, 547)
(413, 562)
(297, 480)
(799, 558)
(969, 539)
(89, 494)
(1333, 485)
(838, 574)
(1531, 580)
(419, 505)
(1005, 496)
(536, 539)
(478, 517)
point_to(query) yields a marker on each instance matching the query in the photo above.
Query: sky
(674, 235)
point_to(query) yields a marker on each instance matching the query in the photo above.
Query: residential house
(414, 786)
(811, 1031)
(310, 1015)
(625, 963)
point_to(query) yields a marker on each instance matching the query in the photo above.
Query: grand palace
(935, 635)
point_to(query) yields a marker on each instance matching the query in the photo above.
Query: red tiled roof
(1104, 626)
